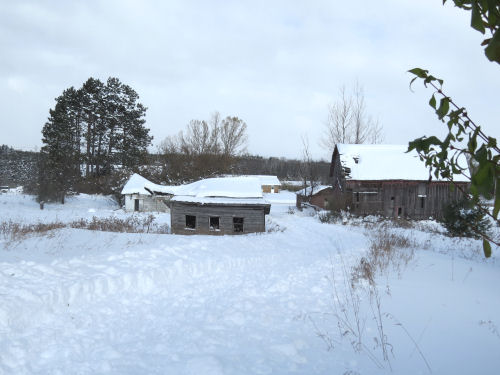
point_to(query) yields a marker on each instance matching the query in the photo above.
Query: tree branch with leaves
(485, 18)
(465, 141)
(465, 137)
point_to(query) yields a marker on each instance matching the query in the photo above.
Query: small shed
(386, 180)
(142, 195)
(319, 196)
(218, 206)
(269, 184)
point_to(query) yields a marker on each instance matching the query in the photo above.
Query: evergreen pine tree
(89, 132)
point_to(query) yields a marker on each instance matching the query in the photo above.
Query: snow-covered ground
(75, 301)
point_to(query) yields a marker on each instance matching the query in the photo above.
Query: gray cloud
(275, 64)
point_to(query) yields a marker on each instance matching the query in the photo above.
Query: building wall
(254, 218)
(322, 199)
(413, 199)
(147, 203)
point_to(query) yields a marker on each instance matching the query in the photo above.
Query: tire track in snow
(22, 301)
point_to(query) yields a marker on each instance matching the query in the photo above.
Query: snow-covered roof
(264, 179)
(383, 162)
(140, 185)
(220, 200)
(224, 190)
(316, 189)
(229, 187)
(268, 180)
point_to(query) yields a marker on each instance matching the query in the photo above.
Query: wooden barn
(218, 206)
(320, 196)
(385, 180)
(142, 195)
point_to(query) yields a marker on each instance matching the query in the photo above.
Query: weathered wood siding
(413, 199)
(253, 216)
(266, 188)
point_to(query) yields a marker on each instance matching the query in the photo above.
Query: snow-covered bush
(465, 219)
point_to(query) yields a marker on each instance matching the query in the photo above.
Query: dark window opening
(422, 202)
(237, 224)
(399, 211)
(190, 222)
(357, 196)
(392, 198)
(136, 205)
(214, 223)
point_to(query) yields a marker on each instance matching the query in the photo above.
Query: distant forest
(20, 168)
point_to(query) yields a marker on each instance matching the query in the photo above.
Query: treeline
(18, 168)
(179, 168)
(285, 169)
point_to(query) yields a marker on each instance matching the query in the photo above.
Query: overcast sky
(275, 64)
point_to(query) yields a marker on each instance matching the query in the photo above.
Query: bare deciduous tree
(348, 121)
(204, 148)
(197, 139)
(309, 169)
(233, 136)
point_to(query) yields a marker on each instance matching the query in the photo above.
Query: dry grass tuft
(131, 224)
(12, 231)
(387, 249)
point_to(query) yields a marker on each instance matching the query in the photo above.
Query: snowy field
(76, 301)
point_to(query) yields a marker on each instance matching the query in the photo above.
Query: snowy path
(82, 302)
(163, 302)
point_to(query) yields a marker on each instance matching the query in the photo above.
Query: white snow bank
(77, 301)
(24, 208)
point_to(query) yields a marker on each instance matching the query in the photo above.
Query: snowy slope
(77, 301)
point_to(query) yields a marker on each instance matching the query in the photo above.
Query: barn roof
(225, 189)
(137, 184)
(383, 162)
